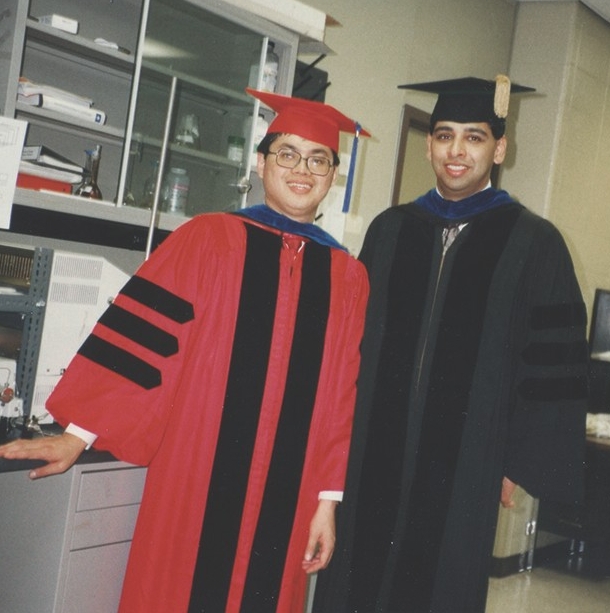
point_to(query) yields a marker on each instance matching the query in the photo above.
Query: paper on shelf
(12, 135)
(60, 23)
(47, 172)
(29, 88)
(598, 424)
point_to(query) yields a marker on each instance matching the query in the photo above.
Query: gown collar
(267, 216)
(465, 209)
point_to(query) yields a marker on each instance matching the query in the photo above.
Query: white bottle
(260, 129)
(270, 70)
(176, 191)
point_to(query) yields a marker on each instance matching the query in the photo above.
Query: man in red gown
(227, 365)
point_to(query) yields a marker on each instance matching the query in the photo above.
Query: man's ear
(500, 151)
(260, 164)
(428, 144)
(335, 175)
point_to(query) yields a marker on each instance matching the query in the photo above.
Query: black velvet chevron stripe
(140, 331)
(237, 435)
(276, 519)
(558, 316)
(120, 361)
(554, 354)
(378, 503)
(451, 375)
(554, 389)
(159, 299)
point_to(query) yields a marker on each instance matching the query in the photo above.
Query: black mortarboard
(471, 100)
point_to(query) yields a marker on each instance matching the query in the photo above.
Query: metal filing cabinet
(65, 539)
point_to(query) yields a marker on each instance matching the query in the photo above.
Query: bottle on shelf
(150, 184)
(270, 69)
(188, 132)
(260, 129)
(89, 187)
(176, 191)
(235, 150)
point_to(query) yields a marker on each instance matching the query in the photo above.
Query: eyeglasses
(317, 164)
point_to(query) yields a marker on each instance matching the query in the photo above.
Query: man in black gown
(473, 376)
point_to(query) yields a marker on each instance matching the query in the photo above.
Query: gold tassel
(502, 96)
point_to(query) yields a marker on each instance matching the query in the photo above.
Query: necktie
(449, 235)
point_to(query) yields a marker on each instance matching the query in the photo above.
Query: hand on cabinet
(60, 453)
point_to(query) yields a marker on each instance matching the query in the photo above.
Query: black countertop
(89, 456)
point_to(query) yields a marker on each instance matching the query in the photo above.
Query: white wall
(380, 45)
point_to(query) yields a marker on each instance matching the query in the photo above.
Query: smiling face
(295, 192)
(462, 157)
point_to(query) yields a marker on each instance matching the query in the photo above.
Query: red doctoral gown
(228, 366)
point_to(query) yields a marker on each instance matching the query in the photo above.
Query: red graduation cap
(315, 121)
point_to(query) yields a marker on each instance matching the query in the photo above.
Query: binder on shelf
(28, 181)
(41, 154)
(65, 107)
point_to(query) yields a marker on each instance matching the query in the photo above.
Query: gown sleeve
(545, 452)
(328, 449)
(121, 383)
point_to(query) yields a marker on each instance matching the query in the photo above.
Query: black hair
(497, 126)
(265, 145)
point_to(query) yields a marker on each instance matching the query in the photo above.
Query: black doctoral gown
(473, 368)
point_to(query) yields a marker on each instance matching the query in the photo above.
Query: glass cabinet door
(192, 136)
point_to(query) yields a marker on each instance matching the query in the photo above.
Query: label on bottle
(176, 192)
(270, 71)
(269, 76)
(235, 151)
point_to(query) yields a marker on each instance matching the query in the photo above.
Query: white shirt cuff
(83, 434)
(331, 495)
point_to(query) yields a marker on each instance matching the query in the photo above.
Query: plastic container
(148, 191)
(260, 129)
(270, 69)
(235, 151)
(176, 192)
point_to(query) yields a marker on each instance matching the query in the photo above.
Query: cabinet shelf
(205, 158)
(217, 93)
(94, 209)
(78, 45)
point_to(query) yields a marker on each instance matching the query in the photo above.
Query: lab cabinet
(65, 539)
(74, 63)
(151, 67)
(191, 101)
